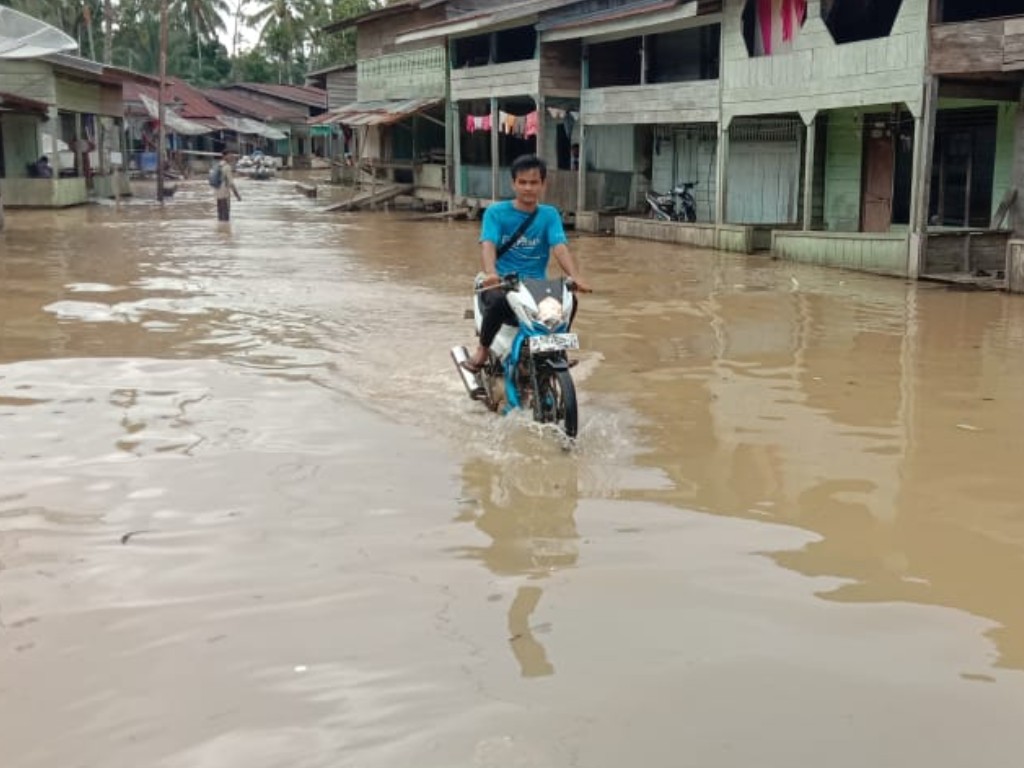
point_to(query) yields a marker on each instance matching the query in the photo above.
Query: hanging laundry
(470, 124)
(532, 125)
(794, 13)
(485, 123)
(764, 19)
(777, 25)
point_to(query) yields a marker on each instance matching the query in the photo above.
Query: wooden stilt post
(920, 187)
(494, 148)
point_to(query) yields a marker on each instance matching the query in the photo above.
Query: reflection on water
(250, 401)
(876, 414)
(525, 506)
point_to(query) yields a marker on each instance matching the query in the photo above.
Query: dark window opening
(519, 44)
(472, 51)
(973, 10)
(690, 54)
(615, 63)
(3, 163)
(963, 167)
(475, 145)
(850, 21)
(904, 178)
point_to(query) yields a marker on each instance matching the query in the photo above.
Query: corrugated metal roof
(252, 127)
(376, 112)
(247, 106)
(477, 21)
(297, 94)
(187, 101)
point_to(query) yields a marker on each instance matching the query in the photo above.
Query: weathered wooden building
(975, 182)
(287, 110)
(821, 112)
(649, 101)
(70, 110)
(397, 126)
(508, 95)
(338, 80)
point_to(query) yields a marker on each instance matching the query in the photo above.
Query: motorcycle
(664, 207)
(528, 366)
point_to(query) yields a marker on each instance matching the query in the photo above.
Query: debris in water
(126, 537)
(968, 427)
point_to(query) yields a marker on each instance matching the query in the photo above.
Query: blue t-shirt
(529, 256)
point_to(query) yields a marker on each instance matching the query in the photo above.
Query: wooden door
(879, 162)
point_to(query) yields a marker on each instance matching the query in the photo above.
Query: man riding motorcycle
(518, 237)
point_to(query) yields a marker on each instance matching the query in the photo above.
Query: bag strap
(525, 225)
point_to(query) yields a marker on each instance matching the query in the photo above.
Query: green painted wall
(843, 158)
(21, 143)
(884, 254)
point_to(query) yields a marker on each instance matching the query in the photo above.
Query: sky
(248, 35)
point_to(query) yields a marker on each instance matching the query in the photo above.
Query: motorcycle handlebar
(511, 282)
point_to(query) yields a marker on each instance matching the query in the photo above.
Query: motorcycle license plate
(555, 342)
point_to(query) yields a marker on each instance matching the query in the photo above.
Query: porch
(43, 193)
(736, 238)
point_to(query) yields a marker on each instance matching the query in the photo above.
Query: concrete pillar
(810, 136)
(722, 174)
(53, 124)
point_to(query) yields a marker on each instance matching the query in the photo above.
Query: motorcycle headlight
(549, 312)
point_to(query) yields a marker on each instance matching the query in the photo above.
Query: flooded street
(248, 516)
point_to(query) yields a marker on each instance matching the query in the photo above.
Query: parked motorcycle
(665, 207)
(528, 365)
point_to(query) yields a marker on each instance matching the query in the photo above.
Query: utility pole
(162, 109)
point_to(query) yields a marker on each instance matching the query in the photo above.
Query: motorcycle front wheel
(556, 401)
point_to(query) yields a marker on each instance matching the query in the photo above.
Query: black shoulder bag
(504, 247)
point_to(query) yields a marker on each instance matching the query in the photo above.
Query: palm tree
(283, 29)
(205, 20)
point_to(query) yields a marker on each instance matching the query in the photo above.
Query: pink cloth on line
(532, 124)
(764, 18)
(794, 12)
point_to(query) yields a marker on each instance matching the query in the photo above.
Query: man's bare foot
(476, 363)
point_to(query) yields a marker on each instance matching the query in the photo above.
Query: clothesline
(523, 126)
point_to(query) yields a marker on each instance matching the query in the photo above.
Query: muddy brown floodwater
(249, 518)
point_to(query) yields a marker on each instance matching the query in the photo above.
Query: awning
(175, 123)
(25, 37)
(252, 127)
(11, 101)
(378, 112)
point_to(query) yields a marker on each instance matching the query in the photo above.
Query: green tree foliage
(126, 33)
